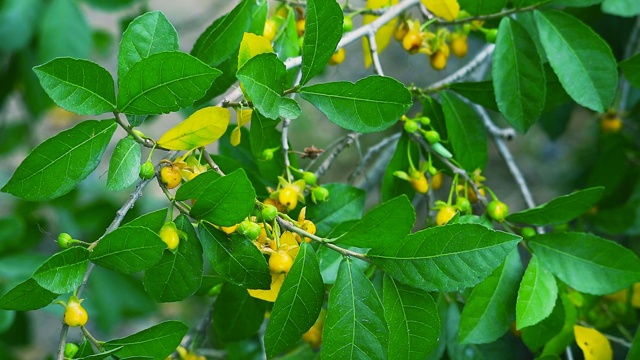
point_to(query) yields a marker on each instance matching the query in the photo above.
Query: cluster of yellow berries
(438, 46)
(184, 168)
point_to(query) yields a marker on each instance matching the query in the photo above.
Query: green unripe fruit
(319, 194)
(309, 178)
(267, 154)
(347, 24)
(432, 136)
(497, 210)
(432, 170)
(463, 204)
(491, 36)
(249, 229)
(65, 241)
(147, 170)
(269, 212)
(215, 290)
(70, 350)
(411, 126)
(425, 120)
(528, 233)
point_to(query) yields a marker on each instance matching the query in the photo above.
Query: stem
(129, 129)
(464, 71)
(492, 16)
(346, 141)
(212, 164)
(373, 50)
(93, 340)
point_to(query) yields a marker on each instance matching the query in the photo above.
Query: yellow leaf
(200, 129)
(383, 35)
(243, 116)
(235, 136)
(251, 46)
(446, 9)
(594, 345)
(271, 294)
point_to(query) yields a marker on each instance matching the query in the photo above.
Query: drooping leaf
(518, 76)
(482, 7)
(393, 186)
(322, 32)
(355, 327)
(57, 165)
(148, 34)
(156, 342)
(64, 31)
(587, 262)
(63, 272)
(465, 131)
(124, 165)
(384, 33)
(18, 22)
(582, 60)
(445, 258)
(237, 260)
(128, 249)
(371, 104)
(237, 315)
(594, 345)
(412, 319)
(200, 129)
(27, 296)
(224, 201)
(345, 203)
(631, 69)
(388, 222)
(177, 275)
(490, 308)
(297, 305)
(446, 9)
(536, 296)
(76, 85)
(164, 82)
(625, 8)
(561, 209)
(222, 38)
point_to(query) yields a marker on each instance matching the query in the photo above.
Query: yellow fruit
(436, 181)
(445, 50)
(170, 176)
(270, 29)
(309, 227)
(445, 214)
(313, 337)
(288, 197)
(74, 314)
(401, 31)
(459, 46)
(337, 57)
(300, 24)
(438, 60)
(229, 229)
(280, 262)
(169, 234)
(412, 42)
(610, 125)
(420, 184)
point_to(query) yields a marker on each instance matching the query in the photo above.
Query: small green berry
(432, 136)
(249, 229)
(347, 24)
(319, 194)
(269, 212)
(147, 170)
(411, 126)
(309, 178)
(65, 241)
(491, 36)
(70, 350)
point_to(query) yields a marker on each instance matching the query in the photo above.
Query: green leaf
(345, 203)
(582, 60)
(445, 258)
(128, 249)
(518, 76)
(624, 8)
(371, 104)
(224, 201)
(18, 22)
(490, 308)
(236, 314)
(537, 294)
(479, 92)
(537, 335)
(57, 165)
(561, 209)
(330, 260)
(388, 222)
(27, 296)
(222, 38)
(565, 337)
(634, 351)
(412, 319)
(575, 3)
(163, 83)
(63, 272)
(322, 33)
(286, 43)
(124, 165)
(148, 34)
(157, 341)
(631, 69)
(263, 79)
(79, 86)
(465, 131)
(64, 31)
(99, 356)
(110, 5)
(482, 7)
(298, 303)
(587, 262)
(237, 260)
(393, 186)
(153, 220)
(177, 275)
(355, 327)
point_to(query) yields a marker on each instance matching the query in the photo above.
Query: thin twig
(373, 50)
(464, 71)
(569, 353)
(346, 141)
(371, 152)
(618, 340)
(212, 164)
(285, 134)
(492, 16)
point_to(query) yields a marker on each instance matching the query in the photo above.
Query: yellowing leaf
(235, 136)
(243, 116)
(272, 293)
(200, 129)
(623, 295)
(594, 345)
(383, 35)
(446, 9)
(251, 46)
